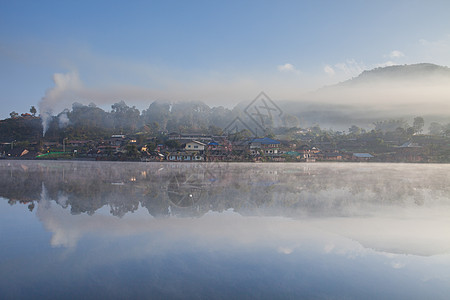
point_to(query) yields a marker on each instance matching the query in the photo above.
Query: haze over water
(129, 230)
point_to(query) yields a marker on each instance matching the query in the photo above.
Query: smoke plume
(59, 97)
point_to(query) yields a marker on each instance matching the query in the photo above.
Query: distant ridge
(425, 72)
(393, 92)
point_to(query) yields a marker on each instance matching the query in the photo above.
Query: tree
(173, 144)
(436, 128)
(390, 125)
(33, 111)
(13, 114)
(125, 118)
(132, 151)
(418, 124)
(354, 130)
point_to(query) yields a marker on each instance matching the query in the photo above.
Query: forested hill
(422, 73)
(392, 92)
(92, 122)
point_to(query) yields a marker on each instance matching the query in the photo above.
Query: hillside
(402, 91)
(415, 73)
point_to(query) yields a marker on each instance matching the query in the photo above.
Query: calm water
(149, 230)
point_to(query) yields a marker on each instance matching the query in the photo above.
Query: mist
(384, 93)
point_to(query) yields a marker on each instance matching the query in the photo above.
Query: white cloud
(329, 70)
(287, 67)
(396, 54)
(285, 250)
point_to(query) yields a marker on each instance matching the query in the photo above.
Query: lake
(224, 231)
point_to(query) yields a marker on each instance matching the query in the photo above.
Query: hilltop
(416, 73)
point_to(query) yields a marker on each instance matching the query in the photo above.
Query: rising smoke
(66, 90)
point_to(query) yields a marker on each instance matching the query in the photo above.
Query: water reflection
(280, 228)
(185, 190)
(388, 194)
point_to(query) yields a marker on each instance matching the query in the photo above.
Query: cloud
(329, 70)
(285, 250)
(287, 67)
(396, 54)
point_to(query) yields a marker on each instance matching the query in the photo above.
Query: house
(333, 156)
(362, 156)
(17, 152)
(224, 146)
(184, 156)
(182, 137)
(264, 146)
(218, 152)
(195, 146)
(309, 153)
(160, 147)
(410, 152)
(294, 154)
(152, 156)
(77, 143)
(267, 148)
(117, 140)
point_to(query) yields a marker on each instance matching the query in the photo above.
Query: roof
(265, 141)
(409, 145)
(213, 144)
(295, 153)
(362, 155)
(197, 142)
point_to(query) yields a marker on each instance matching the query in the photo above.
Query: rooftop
(265, 141)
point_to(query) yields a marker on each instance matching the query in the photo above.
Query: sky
(54, 53)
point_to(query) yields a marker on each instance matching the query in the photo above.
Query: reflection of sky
(220, 254)
(411, 230)
(392, 251)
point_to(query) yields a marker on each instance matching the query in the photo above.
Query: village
(93, 134)
(196, 147)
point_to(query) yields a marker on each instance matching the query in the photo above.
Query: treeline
(92, 122)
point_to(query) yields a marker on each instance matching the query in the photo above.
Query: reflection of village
(171, 189)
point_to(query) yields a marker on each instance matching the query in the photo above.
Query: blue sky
(220, 52)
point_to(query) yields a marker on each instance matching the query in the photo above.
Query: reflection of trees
(20, 182)
(190, 189)
(185, 190)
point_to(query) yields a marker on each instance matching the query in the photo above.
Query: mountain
(394, 92)
(422, 73)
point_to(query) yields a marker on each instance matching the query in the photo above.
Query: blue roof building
(362, 155)
(265, 141)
